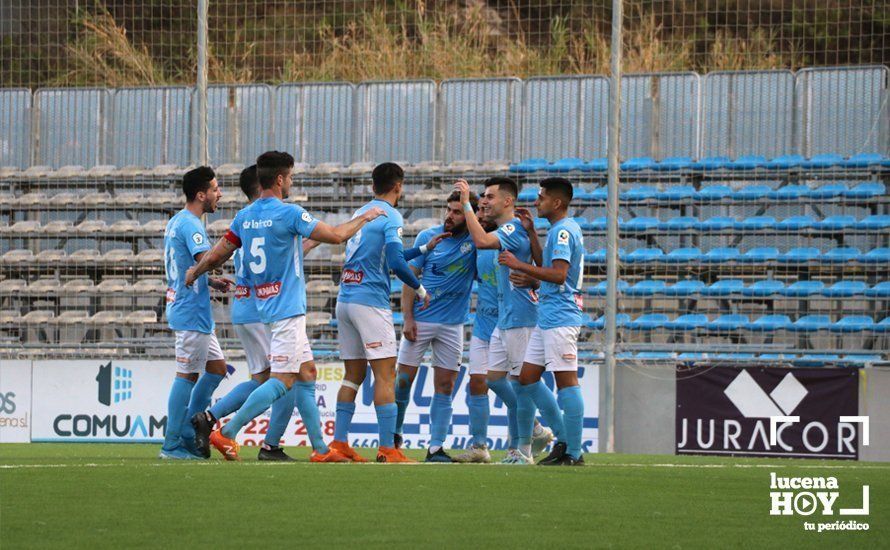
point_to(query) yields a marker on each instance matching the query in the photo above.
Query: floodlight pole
(607, 377)
(202, 156)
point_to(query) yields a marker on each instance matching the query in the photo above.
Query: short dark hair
(474, 200)
(386, 176)
(249, 183)
(505, 184)
(272, 164)
(197, 181)
(561, 187)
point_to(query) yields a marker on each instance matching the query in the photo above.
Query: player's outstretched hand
(436, 240)
(462, 187)
(508, 259)
(520, 280)
(526, 219)
(373, 213)
(190, 277)
(221, 284)
(409, 331)
(426, 302)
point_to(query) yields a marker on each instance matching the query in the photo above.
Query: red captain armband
(232, 238)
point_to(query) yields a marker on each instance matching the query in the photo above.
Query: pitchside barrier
(126, 402)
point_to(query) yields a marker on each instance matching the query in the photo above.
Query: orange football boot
(228, 447)
(391, 454)
(333, 455)
(346, 451)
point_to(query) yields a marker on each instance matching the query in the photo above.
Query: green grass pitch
(121, 496)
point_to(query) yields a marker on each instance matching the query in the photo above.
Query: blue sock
(572, 402)
(440, 418)
(479, 413)
(545, 401)
(233, 400)
(403, 397)
(201, 394)
(308, 407)
(282, 410)
(525, 413)
(386, 423)
(345, 410)
(256, 403)
(177, 408)
(502, 388)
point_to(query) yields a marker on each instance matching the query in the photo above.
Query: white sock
(435, 449)
(538, 429)
(526, 449)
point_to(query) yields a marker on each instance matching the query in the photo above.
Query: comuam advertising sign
(753, 411)
(126, 401)
(15, 401)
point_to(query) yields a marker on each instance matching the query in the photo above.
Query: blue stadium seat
(821, 162)
(599, 224)
(880, 290)
(676, 193)
(588, 225)
(640, 225)
(529, 166)
(644, 255)
(692, 356)
(717, 223)
(711, 163)
(769, 323)
(637, 164)
(841, 254)
(883, 327)
(835, 223)
(747, 162)
(721, 255)
(398, 319)
(690, 321)
(853, 323)
(865, 190)
(682, 255)
(800, 255)
(751, 192)
(596, 165)
(599, 323)
(875, 222)
(802, 289)
(684, 288)
(641, 193)
(599, 289)
(784, 162)
(759, 254)
(529, 194)
(680, 223)
(763, 288)
(795, 223)
(714, 193)
(816, 359)
(732, 321)
(655, 355)
(565, 165)
(755, 222)
(845, 289)
(811, 323)
(599, 194)
(828, 191)
(581, 194)
(646, 288)
(674, 163)
(859, 359)
(649, 321)
(395, 286)
(599, 257)
(725, 287)
(791, 192)
(863, 160)
(876, 256)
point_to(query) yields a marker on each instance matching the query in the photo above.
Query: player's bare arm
(528, 223)
(408, 296)
(556, 274)
(481, 238)
(309, 245)
(521, 280)
(325, 233)
(218, 255)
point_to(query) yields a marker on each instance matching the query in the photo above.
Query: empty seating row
(736, 322)
(86, 227)
(71, 317)
(716, 224)
(802, 360)
(757, 255)
(88, 256)
(742, 163)
(756, 289)
(111, 286)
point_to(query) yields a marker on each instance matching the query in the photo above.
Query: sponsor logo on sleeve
(351, 277)
(306, 217)
(562, 237)
(268, 290)
(198, 238)
(399, 232)
(508, 229)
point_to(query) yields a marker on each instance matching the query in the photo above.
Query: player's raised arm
(215, 257)
(325, 233)
(481, 238)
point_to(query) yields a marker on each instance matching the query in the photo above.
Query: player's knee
(216, 367)
(528, 377)
(308, 372)
(478, 385)
(444, 386)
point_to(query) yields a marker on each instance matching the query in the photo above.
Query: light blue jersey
(270, 234)
(447, 274)
(365, 278)
(486, 294)
(561, 305)
(187, 308)
(517, 307)
(244, 309)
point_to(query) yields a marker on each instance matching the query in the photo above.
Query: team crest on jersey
(562, 237)
(352, 277)
(171, 233)
(306, 217)
(400, 232)
(508, 229)
(466, 248)
(268, 290)
(198, 238)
